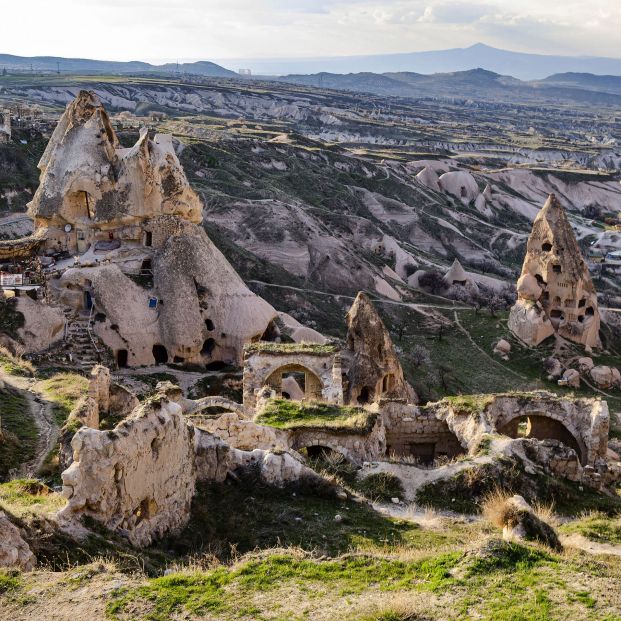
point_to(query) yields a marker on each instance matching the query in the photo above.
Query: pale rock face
(428, 177)
(87, 178)
(605, 377)
(136, 209)
(528, 288)
(461, 184)
(374, 369)
(529, 322)
(503, 348)
(555, 291)
(137, 479)
(14, 551)
(43, 324)
(585, 364)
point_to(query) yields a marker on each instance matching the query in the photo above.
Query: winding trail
(42, 412)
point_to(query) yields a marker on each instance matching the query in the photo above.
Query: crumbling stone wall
(323, 372)
(413, 432)
(137, 479)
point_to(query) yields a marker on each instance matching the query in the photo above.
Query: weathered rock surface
(571, 378)
(137, 479)
(374, 370)
(133, 218)
(555, 291)
(14, 551)
(521, 524)
(605, 377)
(43, 324)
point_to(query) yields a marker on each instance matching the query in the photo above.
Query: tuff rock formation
(520, 523)
(14, 551)
(374, 371)
(555, 291)
(160, 289)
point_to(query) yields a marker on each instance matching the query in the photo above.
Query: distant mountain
(475, 84)
(587, 81)
(518, 64)
(88, 66)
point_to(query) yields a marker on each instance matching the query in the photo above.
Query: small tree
(432, 282)
(420, 356)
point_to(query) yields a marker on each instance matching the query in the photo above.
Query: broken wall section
(137, 479)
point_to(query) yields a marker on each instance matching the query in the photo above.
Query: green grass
(14, 365)
(382, 486)
(64, 390)
(23, 497)
(19, 444)
(216, 591)
(315, 349)
(597, 527)
(286, 414)
(9, 581)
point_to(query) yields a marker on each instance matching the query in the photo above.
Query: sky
(167, 30)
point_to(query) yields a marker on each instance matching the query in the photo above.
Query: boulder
(553, 367)
(529, 323)
(528, 288)
(14, 551)
(585, 365)
(605, 377)
(521, 524)
(503, 348)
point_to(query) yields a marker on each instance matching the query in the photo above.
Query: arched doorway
(160, 354)
(295, 382)
(543, 427)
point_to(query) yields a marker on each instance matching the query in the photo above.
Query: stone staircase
(83, 347)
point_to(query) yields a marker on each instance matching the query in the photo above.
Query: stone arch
(303, 442)
(313, 386)
(544, 426)
(220, 402)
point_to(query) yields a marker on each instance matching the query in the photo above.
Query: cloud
(135, 29)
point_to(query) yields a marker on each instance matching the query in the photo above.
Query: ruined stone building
(555, 291)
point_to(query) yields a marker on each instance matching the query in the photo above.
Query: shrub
(382, 486)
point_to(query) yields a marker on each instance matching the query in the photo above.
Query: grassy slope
(19, 432)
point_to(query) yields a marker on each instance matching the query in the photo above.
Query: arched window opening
(208, 346)
(160, 354)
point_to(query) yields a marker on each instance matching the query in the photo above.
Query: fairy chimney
(555, 291)
(374, 370)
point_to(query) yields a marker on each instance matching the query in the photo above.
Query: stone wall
(137, 479)
(411, 431)
(323, 372)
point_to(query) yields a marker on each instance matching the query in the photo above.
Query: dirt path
(592, 547)
(413, 477)
(42, 412)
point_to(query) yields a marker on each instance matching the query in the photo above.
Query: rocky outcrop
(160, 288)
(374, 371)
(43, 324)
(138, 479)
(520, 523)
(605, 377)
(14, 551)
(555, 291)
